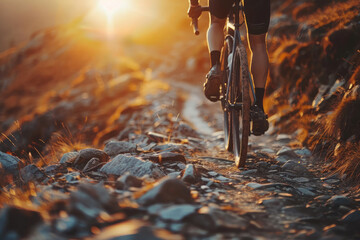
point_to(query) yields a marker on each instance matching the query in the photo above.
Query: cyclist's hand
(194, 11)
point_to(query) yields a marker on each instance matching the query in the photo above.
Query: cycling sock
(259, 93)
(214, 57)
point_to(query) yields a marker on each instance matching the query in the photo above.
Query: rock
(174, 174)
(294, 167)
(353, 217)
(52, 169)
(92, 165)
(288, 153)
(253, 185)
(18, 221)
(213, 174)
(72, 177)
(134, 229)
(249, 172)
(270, 186)
(281, 159)
(190, 174)
(169, 147)
(216, 219)
(85, 155)
(306, 192)
(90, 200)
(32, 173)
(168, 190)
(139, 168)
(157, 137)
(69, 157)
(339, 200)
(114, 148)
(167, 157)
(223, 179)
(128, 181)
(177, 212)
(67, 225)
(9, 164)
(301, 180)
(304, 152)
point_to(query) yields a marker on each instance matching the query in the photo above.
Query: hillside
(106, 134)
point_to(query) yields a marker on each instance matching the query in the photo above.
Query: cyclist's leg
(257, 18)
(219, 10)
(215, 38)
(257, 14)
(259, 64)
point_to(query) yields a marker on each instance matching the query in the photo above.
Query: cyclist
(257, 14)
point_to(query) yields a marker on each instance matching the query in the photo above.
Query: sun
(110, 7)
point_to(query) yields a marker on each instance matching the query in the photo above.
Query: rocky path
(166, 176)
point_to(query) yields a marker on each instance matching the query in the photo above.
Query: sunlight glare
(112, 6)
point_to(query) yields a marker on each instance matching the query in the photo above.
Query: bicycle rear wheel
(240, 118)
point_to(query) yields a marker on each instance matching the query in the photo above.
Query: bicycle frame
(236, 41)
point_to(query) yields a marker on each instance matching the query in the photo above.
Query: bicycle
(237, 92)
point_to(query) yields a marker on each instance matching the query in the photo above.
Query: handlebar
(194, 21)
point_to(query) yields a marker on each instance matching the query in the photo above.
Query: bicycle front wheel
(228, 139)
(240, 118)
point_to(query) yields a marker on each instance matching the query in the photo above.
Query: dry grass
(338, 12)
(344, 123)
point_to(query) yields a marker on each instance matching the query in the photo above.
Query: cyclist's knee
(257, 41)
(216, 20)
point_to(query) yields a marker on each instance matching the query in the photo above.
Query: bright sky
(20, 18)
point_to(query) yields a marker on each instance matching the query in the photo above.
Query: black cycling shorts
(257, 13)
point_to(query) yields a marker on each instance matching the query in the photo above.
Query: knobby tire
(241, 118)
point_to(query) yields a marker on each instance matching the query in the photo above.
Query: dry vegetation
(315, 59)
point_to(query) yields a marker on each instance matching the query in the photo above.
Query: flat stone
(223, 220)
(288, 153)
(248, 172)
(69, 157)
(266, 150)
(190, 174)
(253, 185)
(139, 168)
(169, 147)
(177, 212)
(306, 192)
(85, 155)
(128, 181)
(9, 164)
(166, 157)
(332, 181)
(304, 152)
(157, 137)
(52, 169)
(301, 180)
(340, 200)
(294, 167)
(168, 190)
(114, 148)
(32, 173)
(223, 179)
(213, 174)
(281, 159)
